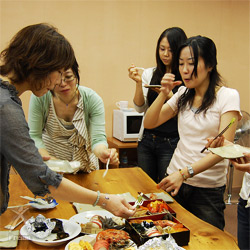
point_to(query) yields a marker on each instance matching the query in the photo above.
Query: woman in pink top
(204, 107)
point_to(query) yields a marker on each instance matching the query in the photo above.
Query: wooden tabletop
(203, 236)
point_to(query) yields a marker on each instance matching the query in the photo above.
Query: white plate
(77, 240)
(84, 217)
(70, 227)
(230, 152)
(43, 206)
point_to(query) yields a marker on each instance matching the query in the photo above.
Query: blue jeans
(243, 225)
(154, 155)
(206, 203)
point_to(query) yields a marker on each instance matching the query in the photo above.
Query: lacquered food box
(180, 232)
(146, 203)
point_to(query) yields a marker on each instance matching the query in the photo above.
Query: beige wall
(110, 35)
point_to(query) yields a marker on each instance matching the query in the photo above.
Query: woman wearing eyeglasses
(68, 123)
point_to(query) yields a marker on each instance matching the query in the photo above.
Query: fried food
(82, 245)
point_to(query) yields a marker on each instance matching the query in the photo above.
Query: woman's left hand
(243, 163)
(171, 183)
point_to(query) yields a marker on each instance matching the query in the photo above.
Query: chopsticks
(107, 167)
(37, 200)
(221, 133)
(144, 196)
(14, 223)
(140, 68)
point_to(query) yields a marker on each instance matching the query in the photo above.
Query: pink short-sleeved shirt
(194, 129)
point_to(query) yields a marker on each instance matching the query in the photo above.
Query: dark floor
(231, 212)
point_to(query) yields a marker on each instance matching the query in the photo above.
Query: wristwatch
(190, 171)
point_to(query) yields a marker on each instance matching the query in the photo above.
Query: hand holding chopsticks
(107, 164)
(221, 133)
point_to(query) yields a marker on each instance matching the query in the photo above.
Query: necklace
(67, 104)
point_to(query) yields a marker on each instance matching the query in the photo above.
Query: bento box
(143, 229)
(153, 207)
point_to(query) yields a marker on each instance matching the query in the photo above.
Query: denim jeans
(243, 225)
(206, 203)
(154, 154)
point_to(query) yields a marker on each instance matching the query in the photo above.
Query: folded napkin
(86, 207)
(12, 243)
(164, 196)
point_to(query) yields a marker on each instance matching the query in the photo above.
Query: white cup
(122, 104)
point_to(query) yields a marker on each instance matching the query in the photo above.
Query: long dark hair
(205, 48)
(34, 52)
(175, 36)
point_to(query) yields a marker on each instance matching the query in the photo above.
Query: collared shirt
(19, 150)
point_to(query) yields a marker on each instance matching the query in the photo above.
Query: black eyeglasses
(66, 79)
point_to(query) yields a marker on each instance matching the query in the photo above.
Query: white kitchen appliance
(126, 124)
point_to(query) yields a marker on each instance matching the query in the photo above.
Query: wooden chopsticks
(221, 133)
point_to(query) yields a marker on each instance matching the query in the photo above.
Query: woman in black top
(156, 146)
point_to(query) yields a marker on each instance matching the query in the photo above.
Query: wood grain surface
(203, 236)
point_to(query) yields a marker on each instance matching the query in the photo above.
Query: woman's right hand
(134, 74)
(168, 83)
(118, 206)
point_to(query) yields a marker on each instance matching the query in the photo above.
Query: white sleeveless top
(70, 140)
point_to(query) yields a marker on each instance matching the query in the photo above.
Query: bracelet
(97, 199)
(106, 198)
(182, 174)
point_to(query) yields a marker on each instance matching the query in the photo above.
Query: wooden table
(203, 236)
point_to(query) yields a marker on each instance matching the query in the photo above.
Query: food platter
(70, 227)
(77, 240)
(230, 152)
(84, 217)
